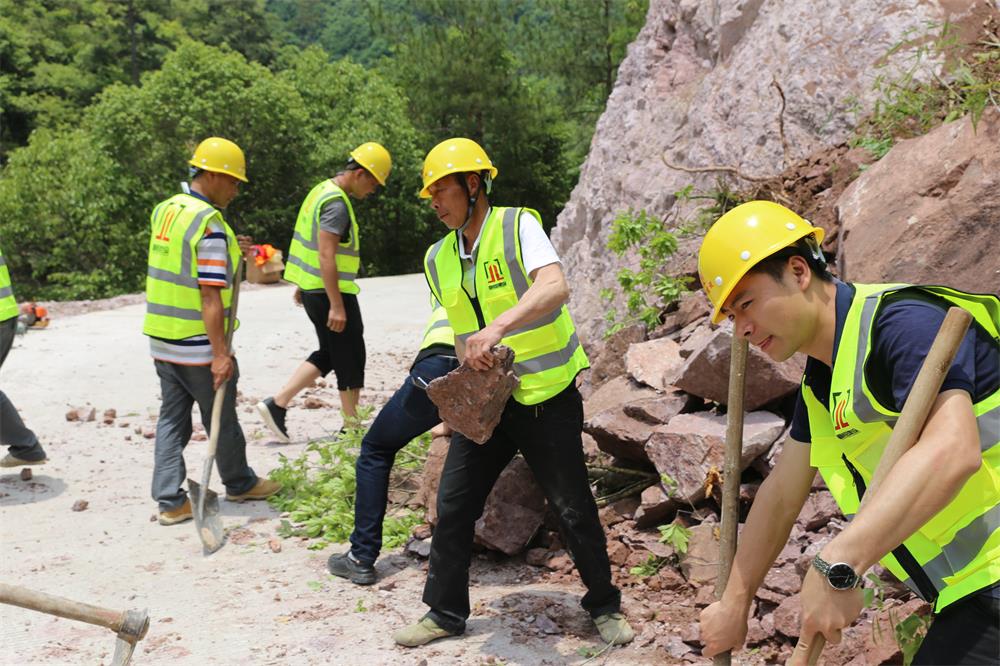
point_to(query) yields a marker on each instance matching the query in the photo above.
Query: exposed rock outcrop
(701, 95)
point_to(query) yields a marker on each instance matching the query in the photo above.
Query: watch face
(842, 576)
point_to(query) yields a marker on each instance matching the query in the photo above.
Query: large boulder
(687, 448)
(754, 85)
(927, 212)
(615, 393)
(706, 372)
(514, 510)
(654, 363)
(619, 434)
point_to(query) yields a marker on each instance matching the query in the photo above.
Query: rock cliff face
(749, 84)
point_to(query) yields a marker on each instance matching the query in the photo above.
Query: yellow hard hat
(454, 156)
(375, 158)
(221, 156)
(741, 239)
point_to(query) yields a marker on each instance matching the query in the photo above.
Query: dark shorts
(344, 352)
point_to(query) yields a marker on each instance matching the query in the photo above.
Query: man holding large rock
(935, 520)
(500, 280)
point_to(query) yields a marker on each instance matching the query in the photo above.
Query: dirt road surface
(245, 604)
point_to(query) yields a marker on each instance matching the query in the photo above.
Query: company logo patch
(841, 427)
(494, 274)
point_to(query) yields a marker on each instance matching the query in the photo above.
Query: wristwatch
(840, 575)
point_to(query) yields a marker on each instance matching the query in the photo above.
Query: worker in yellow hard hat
(500, 281)
(193, 255)
(323, 262)
(934, 522)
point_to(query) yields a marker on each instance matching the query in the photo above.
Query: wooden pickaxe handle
(731, 471)
(120, 622)
(914, 415)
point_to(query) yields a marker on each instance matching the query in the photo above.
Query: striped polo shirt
(212, 255)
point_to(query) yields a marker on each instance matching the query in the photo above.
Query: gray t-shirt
(335, 219)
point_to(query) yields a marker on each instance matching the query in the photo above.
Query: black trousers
(344, 352)
(548, 436)
(965, 632)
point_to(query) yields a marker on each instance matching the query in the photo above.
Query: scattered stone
(654, 363)
(615, 393)
(422, 531)
(700, 564)
(81, 414)
(26, 474)
(691, 445)
(312, 402)
(819, 508)
(80, 505)
(619, 434)
(610, 362)
(199, 437)
(537, 557)
(546, 625)
(560, 562)
(617, 553)
(787, 616)
(274, 544)
(658, 410)
(419, 547)
(706, 372)
(655, 506)
(472, 401)
(149, 432)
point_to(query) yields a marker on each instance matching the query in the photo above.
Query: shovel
(204, 500)
(913, 417)
(130, 626)
(731, 471)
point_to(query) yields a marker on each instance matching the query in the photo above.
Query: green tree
(460, 77)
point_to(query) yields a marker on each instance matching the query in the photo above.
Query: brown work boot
(263, 489)
(11, 460)
(181, 514)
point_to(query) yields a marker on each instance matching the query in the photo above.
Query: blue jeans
(408, 414)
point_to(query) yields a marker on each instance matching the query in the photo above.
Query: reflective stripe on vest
(958, 549)
(8, 306)
(173, 296)
(302, 266)
(438, 331)
(547, 352)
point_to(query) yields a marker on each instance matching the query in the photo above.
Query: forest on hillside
(102, 102)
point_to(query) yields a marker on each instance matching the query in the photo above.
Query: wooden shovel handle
(116, 621)
(731, 471)
(914, 415)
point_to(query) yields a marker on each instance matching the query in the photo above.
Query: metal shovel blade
(206, 517)
(133, 629)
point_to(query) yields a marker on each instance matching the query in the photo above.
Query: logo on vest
(841, 428)
(494, 274)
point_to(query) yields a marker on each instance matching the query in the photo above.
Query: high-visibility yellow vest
(302, 266)
(547, 352)
(8, 306)
(438, 331)
(173, 297)
(957, 551)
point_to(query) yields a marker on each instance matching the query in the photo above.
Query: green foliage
(75, 203)
(359, 607)
(318, 490)
(910, 633)
(668, 482)
(943, 80)
(650, 567)
(676, 535)
(649, 289)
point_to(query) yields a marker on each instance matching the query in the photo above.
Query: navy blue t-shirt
(905, 327)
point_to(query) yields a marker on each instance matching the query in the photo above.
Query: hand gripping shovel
(130, 626)
(205, 500)
(912, 419)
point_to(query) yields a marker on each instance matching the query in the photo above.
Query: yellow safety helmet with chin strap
(456, 155)
(220, 156)
(375, 158)
(741, 239)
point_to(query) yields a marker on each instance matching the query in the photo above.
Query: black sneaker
(347, 567)
(274, 417)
